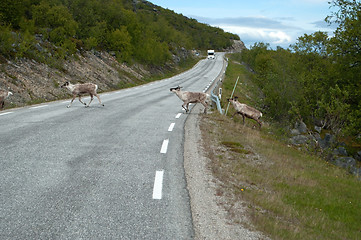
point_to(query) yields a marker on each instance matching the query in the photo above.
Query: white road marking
(39, 107)
(1, 114)
(178, 115)
(158, 185)
(171, 127)
(164, 146)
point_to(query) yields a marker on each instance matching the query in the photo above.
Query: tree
(347, 41)
(6, 41)
(346, 48)
(58, 18)
(120, 41)
(11, 11)
(315, 43)
(332, 109)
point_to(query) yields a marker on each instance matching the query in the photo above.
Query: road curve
(113, 172)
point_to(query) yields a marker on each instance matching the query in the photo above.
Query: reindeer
(80, 89)
(3, 95)
(245, 110)
(191, 97)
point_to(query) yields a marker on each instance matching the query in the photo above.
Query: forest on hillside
(317, 80)
(133, 30)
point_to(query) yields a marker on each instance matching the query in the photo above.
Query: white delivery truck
(210, 54)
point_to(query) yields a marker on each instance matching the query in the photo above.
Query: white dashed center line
(158, 181)
(158, 185)
(171, 127)
(164, 146)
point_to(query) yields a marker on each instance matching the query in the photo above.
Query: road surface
(113, 172)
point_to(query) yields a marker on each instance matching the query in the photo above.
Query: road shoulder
(210, 219)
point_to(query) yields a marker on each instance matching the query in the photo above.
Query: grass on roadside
(289, 194)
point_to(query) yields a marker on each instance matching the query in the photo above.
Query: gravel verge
(210, 219)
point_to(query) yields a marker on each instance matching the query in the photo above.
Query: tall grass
(289, 194)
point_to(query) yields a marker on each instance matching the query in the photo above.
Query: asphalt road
(112, 172)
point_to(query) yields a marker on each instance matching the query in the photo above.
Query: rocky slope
(33, 82)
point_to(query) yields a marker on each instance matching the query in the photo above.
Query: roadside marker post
(234, 88)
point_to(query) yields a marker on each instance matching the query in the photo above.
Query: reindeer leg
(185, 104)
(184, 107)
(243, 117)
(91, 99)
(99, 99)
(74, 96)
(259, 122)
(205, 107)
(81, 100)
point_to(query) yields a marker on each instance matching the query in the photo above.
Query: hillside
(114, 43)
(32, 82)
(132, 30)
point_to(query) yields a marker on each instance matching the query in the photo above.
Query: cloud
(251, 35)
(281, 31)
(280, 37)
(324, 25)
(256, 22)
(257, 29)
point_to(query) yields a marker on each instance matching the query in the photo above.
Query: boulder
(355, 171)
(345, 162)
(358, 156)
(295, 132)
(301, 127)
(340, 151)
(327, 141)
(299, 140)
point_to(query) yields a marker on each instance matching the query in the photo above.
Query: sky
(277, 22)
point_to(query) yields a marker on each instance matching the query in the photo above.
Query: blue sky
(277, 22)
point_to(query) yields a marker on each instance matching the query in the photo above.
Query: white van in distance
(210, 54)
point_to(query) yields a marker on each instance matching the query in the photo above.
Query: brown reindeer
(191, 97)
(3, 95)
(245, 110)
(80, 89)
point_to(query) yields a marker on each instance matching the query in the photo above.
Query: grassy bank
(288, 194)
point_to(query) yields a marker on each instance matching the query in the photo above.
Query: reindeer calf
(245, 110)
(191, 97)
(3, 95)
(80, 89)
